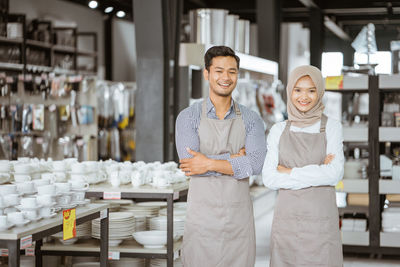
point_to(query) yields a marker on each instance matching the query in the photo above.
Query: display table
(145, 192)
(11, 239)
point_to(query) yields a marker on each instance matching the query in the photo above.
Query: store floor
(263, 231)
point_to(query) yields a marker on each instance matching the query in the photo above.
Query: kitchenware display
(151, 239)
(83, 231)
(121, 227)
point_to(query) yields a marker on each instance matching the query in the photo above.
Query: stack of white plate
(152, 204)
(131, 262)
(121, 227)
(391, 220)
(178, 212)
(163, 263)
(160, 223)
(140, 223)
(83, 231)
(115, 204)
(141, 210)
(87, 264)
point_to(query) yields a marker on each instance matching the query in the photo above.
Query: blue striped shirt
(186, 135)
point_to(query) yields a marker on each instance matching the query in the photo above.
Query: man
(220, 144)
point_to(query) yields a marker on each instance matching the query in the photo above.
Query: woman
(304, 162)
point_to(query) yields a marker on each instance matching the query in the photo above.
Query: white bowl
(151, 239)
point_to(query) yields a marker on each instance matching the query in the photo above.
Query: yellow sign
(69, 224)
(340, 186)
(334, 82)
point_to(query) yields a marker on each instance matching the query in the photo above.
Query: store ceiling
(350, 15)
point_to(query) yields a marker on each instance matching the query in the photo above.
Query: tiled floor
(263, 229)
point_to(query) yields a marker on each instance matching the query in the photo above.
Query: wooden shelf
(355, 238)
(39, 44)
(64, 49)
(93, 245)
(355, 134)
(11, 40)
(87, 53)
(389, 134)
(11, 66)
(355, 185)
(389, 186)
(390, 239)
(354, 209)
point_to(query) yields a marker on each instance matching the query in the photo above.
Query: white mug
(11, 200)
(15, 217)
(25, 187)
(78, 185)
(64, 200)
(79, 177)
(19, 178)
(40, 182)
(46, 211)
(30, 214)
(49, 189)
(45, 200)
(78, 167)
(59, 166)
(115, 181)
(22, 168)
(8, 189)
(28, 202)
(36, 175)
(78, 196)
(63, 187)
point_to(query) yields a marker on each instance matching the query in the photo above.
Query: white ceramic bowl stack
(131, 262)
(163, 263)
(160, 224)
(87, 171)
(121, 227)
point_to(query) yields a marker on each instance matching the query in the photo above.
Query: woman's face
(304, 94)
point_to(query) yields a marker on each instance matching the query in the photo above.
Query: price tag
(69, 224)
(26, 241)
(4, 252)
(39, 140)
(30, 252)
(334, 82)
(103, 214)
(112, 195)
(113, 255)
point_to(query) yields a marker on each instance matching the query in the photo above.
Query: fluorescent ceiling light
(108, 9)
(120, 14)
(93, 4)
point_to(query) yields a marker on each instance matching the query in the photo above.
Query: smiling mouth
(303, 103)
(225, 85)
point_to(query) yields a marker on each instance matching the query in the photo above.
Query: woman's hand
(283, 169)
(329, 158)
(242, 152)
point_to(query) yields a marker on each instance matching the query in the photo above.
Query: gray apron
(305, 229)
(219, 228)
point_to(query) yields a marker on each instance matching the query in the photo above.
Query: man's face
(222, 76)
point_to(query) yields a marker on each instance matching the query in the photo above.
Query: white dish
(20, 207)
(115, 242)
(37, 219)
(151, 239)
(67, 206)
(19, 224)
(52, 204)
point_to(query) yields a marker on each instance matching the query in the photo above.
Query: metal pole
(104, 241)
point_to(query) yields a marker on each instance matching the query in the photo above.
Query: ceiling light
(93, 4)
(108, 9)
(120, 14)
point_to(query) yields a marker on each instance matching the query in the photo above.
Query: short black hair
(219, 51)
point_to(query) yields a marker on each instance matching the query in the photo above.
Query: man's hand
(199, 164)
(242, 152)
(283, 169)
(329, 158)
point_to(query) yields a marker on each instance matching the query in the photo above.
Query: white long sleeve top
(310, 175)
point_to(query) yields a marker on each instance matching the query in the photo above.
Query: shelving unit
(355, 185)
(51, 50)
(355, 238)
(146, 192)
(389, 187)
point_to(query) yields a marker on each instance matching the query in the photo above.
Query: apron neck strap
(204, 108)
(324, 119)
(288, 124)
